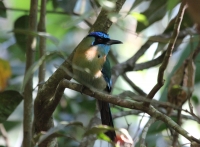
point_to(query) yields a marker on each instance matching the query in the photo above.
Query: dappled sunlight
(147, 29)
(91, 53)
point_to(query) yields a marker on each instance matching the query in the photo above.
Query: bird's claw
(82, 88)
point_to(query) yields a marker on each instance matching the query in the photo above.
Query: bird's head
(102, 38)
(99, 40)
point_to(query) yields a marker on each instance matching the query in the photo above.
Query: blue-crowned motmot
(91, 68)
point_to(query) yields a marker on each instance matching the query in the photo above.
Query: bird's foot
(82, 88)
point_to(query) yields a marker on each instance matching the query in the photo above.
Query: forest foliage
(155, 73)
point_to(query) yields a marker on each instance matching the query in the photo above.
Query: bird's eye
(99, 40)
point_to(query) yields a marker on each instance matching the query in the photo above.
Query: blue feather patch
(99, 34)
(106, 71)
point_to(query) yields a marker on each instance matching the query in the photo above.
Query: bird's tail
(106, 118)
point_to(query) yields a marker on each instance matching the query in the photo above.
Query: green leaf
(66, 5)
(171, 4)
(9, 100)
(104, 137)
(107, 5)
(2, 10)
(36, 65)
(195, 100)
(21, 39)
(42, 34)
(156, 11)
(186, 22)
(136, 3)
(157, 127)
(160, 48)
(72, 23)
(10, 125)
(151, 140)
(56, 131)
(55, 4)
(16, 52)
(140, 17)
(98, 130)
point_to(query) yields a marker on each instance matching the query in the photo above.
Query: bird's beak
(110, 42)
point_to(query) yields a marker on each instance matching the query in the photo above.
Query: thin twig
(135, 87)
(130, 64)
(168, 54)
(28, 102)
(175, 134)
(158, 104)
(88, 141)
(126, 113)
(190, 106)
(85, 20)
(98, 25)
(4, 135)
(120, 101)
(138, 128)
(191, 110)
(196, 52)
(149, 64)
(165, 37)
(126, 78)
(42, 40)
(94, 6)
(137, 112)
(145, 130)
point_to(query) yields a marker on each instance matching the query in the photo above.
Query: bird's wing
(106, 70)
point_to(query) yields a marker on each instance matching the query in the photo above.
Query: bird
(91, 68)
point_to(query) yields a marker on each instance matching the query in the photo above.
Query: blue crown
(99, 34)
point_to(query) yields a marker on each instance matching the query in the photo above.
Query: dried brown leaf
(182, 84)
(193, 8)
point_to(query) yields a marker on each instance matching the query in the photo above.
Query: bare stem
(4, 135)
(145, 130)
(28, 106)
(168, 54)
(42, 43)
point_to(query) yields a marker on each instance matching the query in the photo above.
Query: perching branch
(120, 101)
(28, 99)
(168, 54)
(137, 112)
(159, 105)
